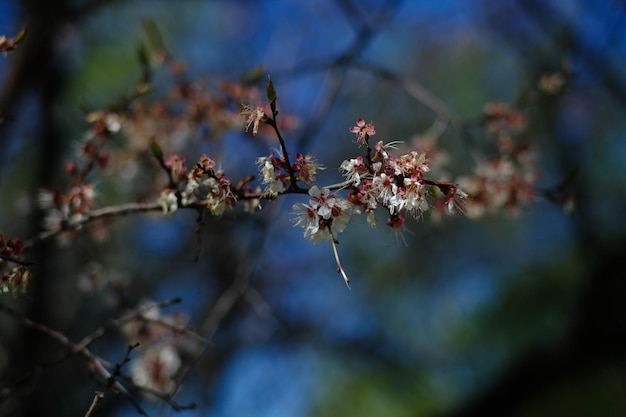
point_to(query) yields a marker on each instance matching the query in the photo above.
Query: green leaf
(156, 150)
(144, 62)
(254, 76)
(154, 35)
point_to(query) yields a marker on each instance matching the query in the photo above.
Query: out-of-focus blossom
(15, 280)
(156, 368)
(503, 120)
(168, 201)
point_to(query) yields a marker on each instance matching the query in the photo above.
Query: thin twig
(132, 316)
(178, 329)
(225, 302)
(340, 269)
(221, 309)
(102, 213)
(118, 366)
(96, 399)
(292, 174)
(95, 361)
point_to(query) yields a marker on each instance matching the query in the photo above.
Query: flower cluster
(507, 180)
(502, 120)
(384, 177)
(394, 183)
(168, 200)
(15, 280)
(377, 180)
(12, 279)
(277, 173)
(104, 123)
(162, 342)
(67, 211)
(397, 183)
(156, 369)
(211, 185)
(275, 178)
(325, 215)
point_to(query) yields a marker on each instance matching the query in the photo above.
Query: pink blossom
(363, 130)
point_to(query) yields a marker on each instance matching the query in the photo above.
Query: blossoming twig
(272, 97)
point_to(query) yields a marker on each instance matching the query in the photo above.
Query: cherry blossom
(363, 130)
(324, 211)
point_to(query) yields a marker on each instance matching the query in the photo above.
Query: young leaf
(156, 150)
(271, 91)
(271, 94)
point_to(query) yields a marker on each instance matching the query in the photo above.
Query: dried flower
(254, 116)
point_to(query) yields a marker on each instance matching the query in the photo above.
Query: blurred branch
(562, 36)
(129, 317)
(226, 300)
(367, 26)
(348, 59)
(103, 213)
(94, 362)
(415, 90)
(178, 330)
(107, 378)
(322, 109)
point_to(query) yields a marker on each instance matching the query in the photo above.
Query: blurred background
(513, 314)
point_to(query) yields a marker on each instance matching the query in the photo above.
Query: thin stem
(340, 269)
(91, 163)
(339, 185)
(442, 185)
(292, 174)
(93, 215)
